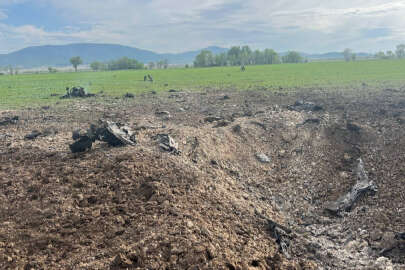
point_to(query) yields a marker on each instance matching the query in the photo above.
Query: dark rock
(173, 91)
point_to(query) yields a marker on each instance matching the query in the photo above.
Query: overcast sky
(181, 25)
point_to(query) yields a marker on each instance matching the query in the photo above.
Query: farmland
(36, 89)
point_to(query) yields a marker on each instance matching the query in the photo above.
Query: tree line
(239, 56)
(399, 53)
(119, 64)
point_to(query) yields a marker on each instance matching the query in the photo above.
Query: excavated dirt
(212, 205)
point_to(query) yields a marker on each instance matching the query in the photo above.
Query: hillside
(59, 55)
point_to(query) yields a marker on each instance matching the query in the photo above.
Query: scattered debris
(222, 123)
(163, 114)
(112, 133)
(225, 97)
(310, 121)
(168, 144)
(36, 133)
(115, 134)
(33, 135)
(9, 120)
(82, 144)
(76, 92)
(237, 128)
(301, 105)
(352, 126)
(211, 119)
(263, 158)
(363, 185)
(45, 107)
(129, 95)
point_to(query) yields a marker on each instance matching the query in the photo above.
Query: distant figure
(242, 68)
(150, 78)
(145, 78)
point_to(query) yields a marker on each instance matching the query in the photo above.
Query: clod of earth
(362, 186)
(301, 105)
(76, 92)
(9, 120)
(168, 144)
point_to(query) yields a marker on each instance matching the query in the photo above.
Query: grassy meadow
(36, 89)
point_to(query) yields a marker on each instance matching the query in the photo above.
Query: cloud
(174, 26)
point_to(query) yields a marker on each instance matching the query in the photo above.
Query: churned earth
(257, 170)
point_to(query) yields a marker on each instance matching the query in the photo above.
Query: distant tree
(98, 66)
(125, 63)
(76, 61)
(271, 57)
(347, 53)
(380, 55)
(204, 59)
(187, 66)
(354, 56)
(292, 57)
(52, 70)
(390, 55)
(400, 51)
(165, 63)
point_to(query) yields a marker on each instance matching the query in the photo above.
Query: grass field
(35, 89)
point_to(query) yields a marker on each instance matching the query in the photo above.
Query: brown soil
(210, 207)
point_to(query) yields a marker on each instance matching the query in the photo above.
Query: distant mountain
(332, 55)
(59, 55)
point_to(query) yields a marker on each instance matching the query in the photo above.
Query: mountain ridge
(59, 55)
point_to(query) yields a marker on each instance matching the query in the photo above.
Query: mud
(213, 206)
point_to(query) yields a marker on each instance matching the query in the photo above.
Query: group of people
(147, 78)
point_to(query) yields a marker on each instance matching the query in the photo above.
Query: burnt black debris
(129, 95)
(81, 145)
(33, 135)
(301, 105)
(362, 186)
(115, 134)
(8, 120)
(168, 144)
(76, 92)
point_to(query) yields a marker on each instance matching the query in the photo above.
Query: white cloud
(173, 26)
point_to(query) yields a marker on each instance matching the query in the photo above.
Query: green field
(35, 89)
